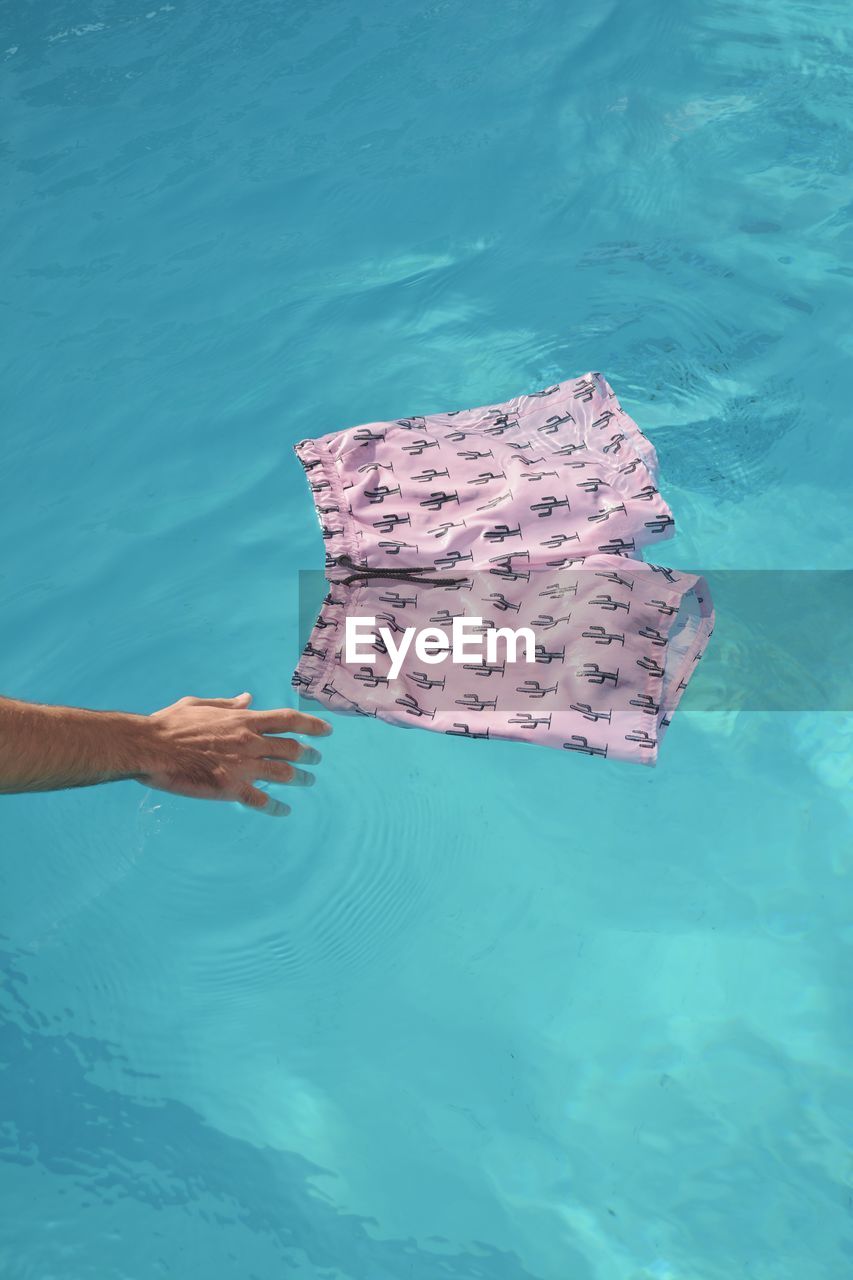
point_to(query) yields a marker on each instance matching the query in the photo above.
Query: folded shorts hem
(700, 629)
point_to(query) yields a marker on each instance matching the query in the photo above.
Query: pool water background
(473, 1009)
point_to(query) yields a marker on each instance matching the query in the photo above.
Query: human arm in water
(207, 748)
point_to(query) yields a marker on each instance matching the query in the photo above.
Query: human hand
(217, 749)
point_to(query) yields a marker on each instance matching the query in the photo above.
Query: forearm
(45, 748)
(207, 748)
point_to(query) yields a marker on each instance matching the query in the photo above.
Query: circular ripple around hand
(350, 897)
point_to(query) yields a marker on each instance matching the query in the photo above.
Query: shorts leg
(600, 658)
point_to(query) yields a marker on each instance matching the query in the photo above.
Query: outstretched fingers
(254, 798)
(241, 700)
(277, 771)
(287, 749)
(286, 720)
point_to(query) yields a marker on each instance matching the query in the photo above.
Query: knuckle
(220, 777)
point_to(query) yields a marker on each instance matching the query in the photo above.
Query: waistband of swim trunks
(330, 504)
(336, 524)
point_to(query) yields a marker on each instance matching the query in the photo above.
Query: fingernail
(310, 755)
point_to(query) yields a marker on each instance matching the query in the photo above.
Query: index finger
(286, 720)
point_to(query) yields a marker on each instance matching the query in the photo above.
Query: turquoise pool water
(473, 1010)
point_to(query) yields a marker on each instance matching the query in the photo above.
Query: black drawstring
(403, 575)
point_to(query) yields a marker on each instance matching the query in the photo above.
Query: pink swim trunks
(529, 515)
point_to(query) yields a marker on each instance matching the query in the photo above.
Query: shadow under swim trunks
(529, 515)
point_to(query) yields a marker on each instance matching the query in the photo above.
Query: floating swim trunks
(531, 514)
